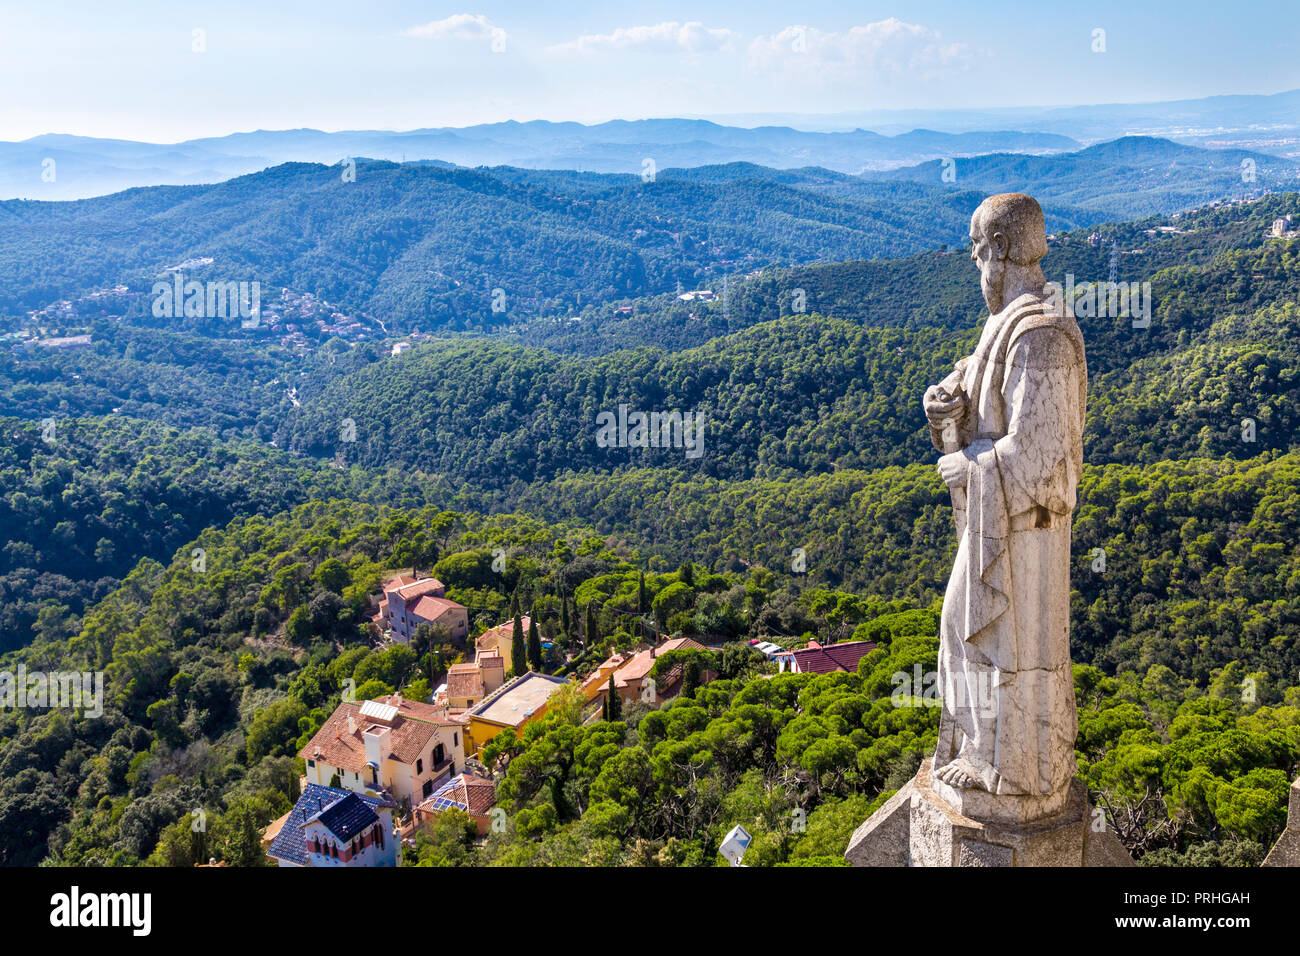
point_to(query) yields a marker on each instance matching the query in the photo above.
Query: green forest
(204, 515)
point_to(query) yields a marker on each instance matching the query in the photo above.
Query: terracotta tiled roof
(502, 632)
(473, 794)
(416, 725)
(601, 674)
(640, 665)
(432, 608)
(465, 680)
(819, 659)
(413, 589)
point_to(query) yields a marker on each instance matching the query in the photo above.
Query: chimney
(377, 748)
(352, 725)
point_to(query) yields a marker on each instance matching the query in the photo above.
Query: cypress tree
(640, 595)
(518, 655)
(534, 646)
(592, 636)
(614, 710)
(564, 618)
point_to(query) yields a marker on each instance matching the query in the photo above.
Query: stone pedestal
(928, 823)
(1286, 851)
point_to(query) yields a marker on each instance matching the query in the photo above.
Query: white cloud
(883, 50)
(667, 37)
(460, 26)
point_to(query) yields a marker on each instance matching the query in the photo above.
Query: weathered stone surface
(1286, 851)
(918, 827)
(882, 839)
(1009, 420)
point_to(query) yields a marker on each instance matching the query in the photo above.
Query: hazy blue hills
(86, 166)
(1144, 175)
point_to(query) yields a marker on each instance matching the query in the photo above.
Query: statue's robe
(1004, 659)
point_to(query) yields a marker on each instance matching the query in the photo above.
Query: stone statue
(1000, 789)
(1009, 419)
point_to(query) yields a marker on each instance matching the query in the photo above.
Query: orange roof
(475, 794)
(416, 725)
(273, 828)
(414, 589)
(640, 665)
(465, 680)
(602, 671)
(432, 608)
(493, 635)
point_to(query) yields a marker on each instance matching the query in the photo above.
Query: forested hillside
(305, 474)
(83, 500)
(425, 245)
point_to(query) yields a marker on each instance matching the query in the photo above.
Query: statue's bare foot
(960, 774)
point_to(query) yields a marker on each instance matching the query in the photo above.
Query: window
(419, 766)
(428, 787)
(455, 739)
(438, 754)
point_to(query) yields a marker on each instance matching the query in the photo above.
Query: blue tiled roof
(344, 812)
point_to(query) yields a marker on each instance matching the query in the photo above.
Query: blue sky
(139, 70)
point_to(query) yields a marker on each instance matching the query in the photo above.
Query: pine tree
(534, 646)
(614, 704)
(518, 654)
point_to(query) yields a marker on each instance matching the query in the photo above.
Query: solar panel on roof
(377, 711)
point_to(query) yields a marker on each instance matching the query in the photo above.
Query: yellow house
(468, 684)
(501, 639)
(522, 700)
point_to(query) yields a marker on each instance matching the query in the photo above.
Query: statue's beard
(992, 278)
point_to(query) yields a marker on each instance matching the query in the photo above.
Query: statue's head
(1008, 237)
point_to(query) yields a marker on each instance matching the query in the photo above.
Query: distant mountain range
(1270, 123)
(59, 166)
(84, 166)
(1141, 175)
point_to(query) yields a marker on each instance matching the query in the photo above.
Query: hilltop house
(823, 659)
(333, 827)
(469, 683)
(632, 675)
(522, 700)
(408, 602)
(501, 638)
(474, 794)
(401, 750)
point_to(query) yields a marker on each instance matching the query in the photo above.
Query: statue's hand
(952, 469)
(940, 405)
